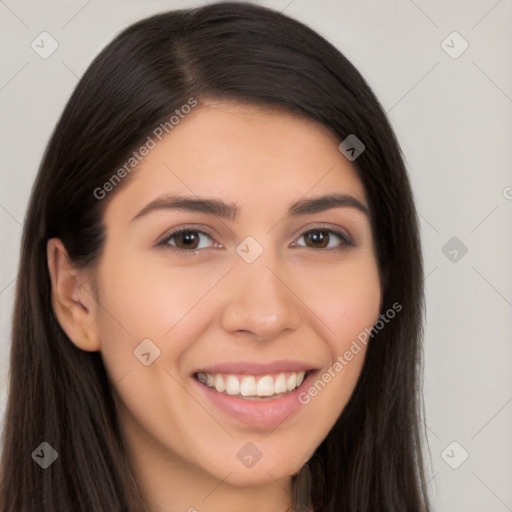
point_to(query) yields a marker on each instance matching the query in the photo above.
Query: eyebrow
(230, 211)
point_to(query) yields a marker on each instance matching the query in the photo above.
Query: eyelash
(345, 240)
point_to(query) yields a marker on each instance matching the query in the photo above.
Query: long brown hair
(372, 458)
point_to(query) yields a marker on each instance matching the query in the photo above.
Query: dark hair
(372, 457)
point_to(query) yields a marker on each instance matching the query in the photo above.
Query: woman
(219, 299)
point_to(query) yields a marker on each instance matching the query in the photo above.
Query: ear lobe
(73, 299)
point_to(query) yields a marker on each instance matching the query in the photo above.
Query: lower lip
(258, 413)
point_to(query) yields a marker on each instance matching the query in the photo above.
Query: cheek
(346, 297)
(142, 298)
(348, 304)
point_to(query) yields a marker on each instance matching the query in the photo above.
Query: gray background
(452, 117)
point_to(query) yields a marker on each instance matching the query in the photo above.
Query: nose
(260, 300)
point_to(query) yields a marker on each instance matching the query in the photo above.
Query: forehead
(246, 154)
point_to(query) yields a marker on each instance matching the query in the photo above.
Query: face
(211, 318)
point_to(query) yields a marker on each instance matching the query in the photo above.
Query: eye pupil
(318, 236)
(188, 237)
(188, 240)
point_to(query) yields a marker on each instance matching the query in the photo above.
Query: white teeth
(251, 385)
(232, 385)
(280, 383)
(248, 386)
(218, 383)
(265, 386)
(291, 383)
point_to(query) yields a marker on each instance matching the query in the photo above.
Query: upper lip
(253, 368)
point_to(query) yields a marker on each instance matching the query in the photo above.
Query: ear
(73, 300)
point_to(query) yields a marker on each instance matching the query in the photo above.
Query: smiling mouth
(253, 387)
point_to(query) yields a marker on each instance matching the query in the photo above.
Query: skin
(302, 302)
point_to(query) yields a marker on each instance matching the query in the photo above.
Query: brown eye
(185, 240)
(321, 238)
(188, 239)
